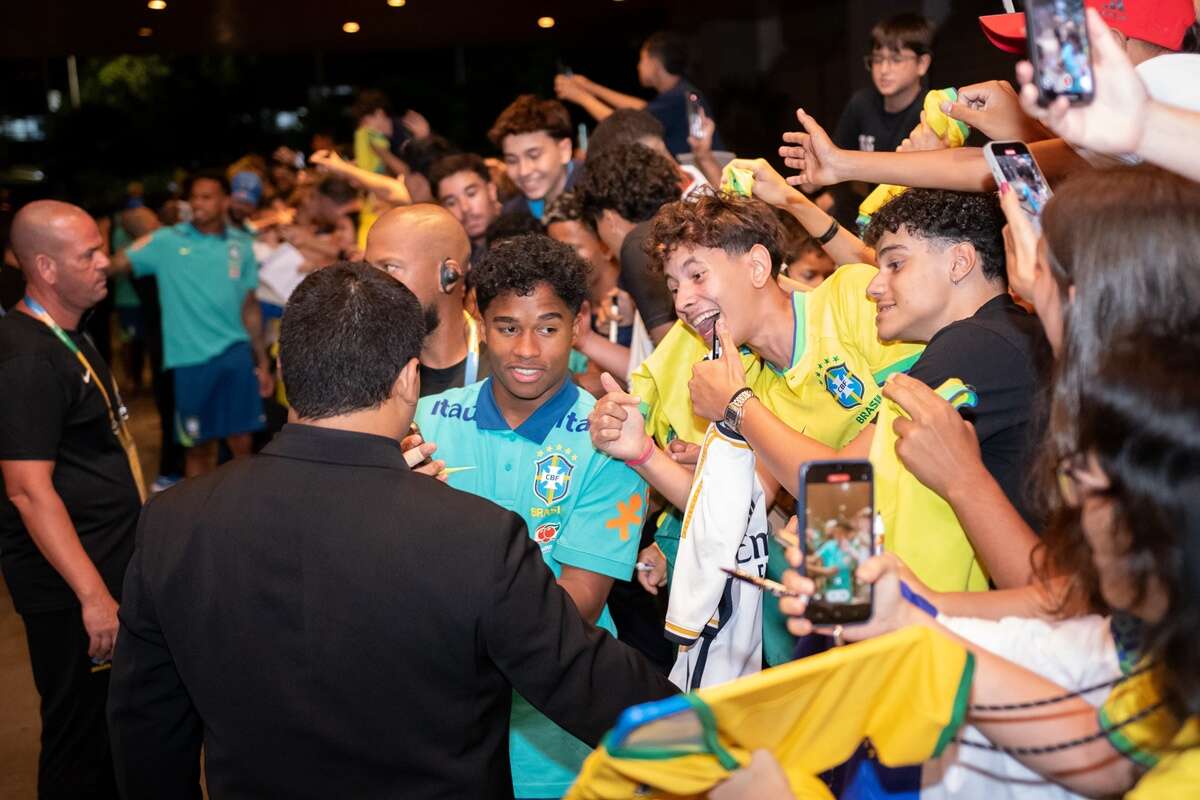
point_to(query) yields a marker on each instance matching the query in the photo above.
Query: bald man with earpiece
(72, 491)
(424, 247)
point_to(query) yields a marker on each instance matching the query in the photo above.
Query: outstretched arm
(389, 190)
(819, 161)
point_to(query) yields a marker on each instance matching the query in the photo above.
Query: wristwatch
(735, 407)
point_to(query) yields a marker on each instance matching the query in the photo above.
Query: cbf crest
(552, 475)
(846, 387)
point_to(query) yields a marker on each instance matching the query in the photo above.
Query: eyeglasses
(1075, 483)
(873, 61)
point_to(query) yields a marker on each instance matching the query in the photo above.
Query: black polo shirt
(1003, 354)
(50, 411)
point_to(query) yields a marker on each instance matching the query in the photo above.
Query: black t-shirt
(436, 380)
(645, 284)
(50, 411)
(865, 125)
(1002, 352)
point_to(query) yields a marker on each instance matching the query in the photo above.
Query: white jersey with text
(716, 620)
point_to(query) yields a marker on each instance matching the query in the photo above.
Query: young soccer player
(520, 438)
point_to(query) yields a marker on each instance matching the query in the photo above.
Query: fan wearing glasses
(879, 116)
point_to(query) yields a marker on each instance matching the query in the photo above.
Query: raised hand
(1114, 121)
(769, 185)
(615, 424)
(993, 109)
(1020, 244)
(714, 383)
(811, 152)
(936, 444)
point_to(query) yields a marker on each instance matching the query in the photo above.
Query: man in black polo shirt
(71, 499)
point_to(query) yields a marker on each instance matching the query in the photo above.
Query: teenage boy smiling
(520, 439)
(534, 136)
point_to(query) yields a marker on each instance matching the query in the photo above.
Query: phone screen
(695, 114)
(839, 535)
(1059, 49)
(1017, 166)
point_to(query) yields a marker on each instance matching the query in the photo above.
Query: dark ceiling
(33, 28)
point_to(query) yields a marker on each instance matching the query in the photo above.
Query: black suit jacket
(331, 624)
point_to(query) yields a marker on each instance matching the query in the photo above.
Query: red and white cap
(1160, 22)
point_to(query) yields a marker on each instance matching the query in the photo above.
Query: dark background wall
(207, 89)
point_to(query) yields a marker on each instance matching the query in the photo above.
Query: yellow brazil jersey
(1159, 742)
(830, 391)
(910, 690)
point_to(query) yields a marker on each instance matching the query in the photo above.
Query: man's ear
(577, 324)
(492, 194)
(408, 384)
(923, 63)
(46, 268)
(964, 258)
(565, 150)
(760, 266)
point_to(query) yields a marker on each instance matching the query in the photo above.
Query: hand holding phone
(1012, 163)
(1060, 50)
(837, 511)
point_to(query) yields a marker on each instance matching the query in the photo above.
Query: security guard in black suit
(328, 622)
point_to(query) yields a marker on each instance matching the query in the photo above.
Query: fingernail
(947, 106)
(1004, 187)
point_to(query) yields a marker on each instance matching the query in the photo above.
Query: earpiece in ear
(448, 276)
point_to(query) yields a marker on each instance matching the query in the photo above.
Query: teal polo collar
(540, 422)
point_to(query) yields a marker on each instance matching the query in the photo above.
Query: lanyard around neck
(116, 416)
(471, 372)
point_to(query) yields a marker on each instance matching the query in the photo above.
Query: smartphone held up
(1012, 163)
(1059, 48)
(837, 512)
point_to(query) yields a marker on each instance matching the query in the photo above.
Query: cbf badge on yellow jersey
(846, 387)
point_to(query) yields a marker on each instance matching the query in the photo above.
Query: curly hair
(721, 221)
(565, 208)
(624, 126)
(948, 218)
(530, 114)
(634, 182)
(518, 264)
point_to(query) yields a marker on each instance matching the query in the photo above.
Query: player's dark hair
(947, 218)
(347, 332)
(517, 265)
(623, 127)
(216, 175)
(903, 31)
(632, 181)
(422, 154)
(452, 165)
(670, 49)
(530, 114)
(721, 221)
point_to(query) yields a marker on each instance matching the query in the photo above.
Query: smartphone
(716, 342)
(837, 508)
(1058, 44)
(1012, 162)
(695, 114)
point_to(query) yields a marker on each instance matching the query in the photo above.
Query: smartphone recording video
(839, 514)
(1012, 162)
(695, 115)
(1059, 49)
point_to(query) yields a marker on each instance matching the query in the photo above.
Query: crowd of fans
(635, 346)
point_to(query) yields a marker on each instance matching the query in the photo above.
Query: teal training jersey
(203, 280)
(582, 508)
